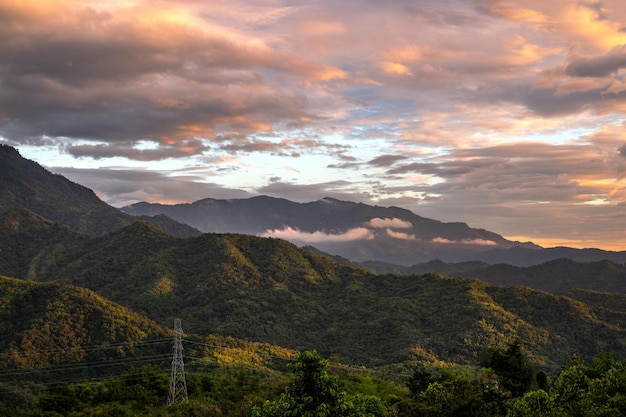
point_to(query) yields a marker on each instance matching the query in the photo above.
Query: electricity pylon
(178, 385)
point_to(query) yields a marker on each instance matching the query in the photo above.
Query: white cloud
(291, 234)
(394, 223)
(483, 242)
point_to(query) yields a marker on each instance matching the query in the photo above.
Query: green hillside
(30, 243)
(451, 346)
(45, 324)
(269, 290)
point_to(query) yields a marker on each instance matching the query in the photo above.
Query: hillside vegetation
(269, 290)
(47, 324)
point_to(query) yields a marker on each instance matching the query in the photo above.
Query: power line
(83, 365)
(89, 348)
(177, 369)
(59, 385)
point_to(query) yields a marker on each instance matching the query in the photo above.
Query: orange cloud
(406, 54)
(400, 235)
(510, 11)
(327, 73)
(616, 87)
(578, 85)
(585, 24)
(291, 234)
(322, 27)
(395, 68)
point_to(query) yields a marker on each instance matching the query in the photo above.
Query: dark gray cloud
(597, 66)
(387, 160)
(519, 173)
(343, 190)
(84, 74)
(120, 187)
(178, 149)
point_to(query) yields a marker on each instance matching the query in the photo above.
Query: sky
(506, 115)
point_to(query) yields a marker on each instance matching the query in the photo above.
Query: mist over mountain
(364, 233)
(356, 231)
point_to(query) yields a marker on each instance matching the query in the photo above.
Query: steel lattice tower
(178, 385)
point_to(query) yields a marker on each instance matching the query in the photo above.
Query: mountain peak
(331, 200)
(8, 150)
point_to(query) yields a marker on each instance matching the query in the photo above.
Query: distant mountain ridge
(520, 256)
(356, 231)
(557, 276)
(364, 233)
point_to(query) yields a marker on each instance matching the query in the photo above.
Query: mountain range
(362, 233)
(355, 231)
(88, 256)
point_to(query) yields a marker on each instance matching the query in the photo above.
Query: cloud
(481, 242)
(387, 160)
(508, 10)
(505, 114)
(339, 189)
(400, 235)
(561, 189)
(121, 187)
(598, 66)
(394, 223)
(118, 74)
(291, 234)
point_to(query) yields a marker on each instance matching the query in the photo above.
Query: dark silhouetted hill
(24, 184)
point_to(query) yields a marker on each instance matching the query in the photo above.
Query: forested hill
(45, 324)
(269, 290)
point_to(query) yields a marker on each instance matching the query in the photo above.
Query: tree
(514, 370)
(312, 392)
(532, 404)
